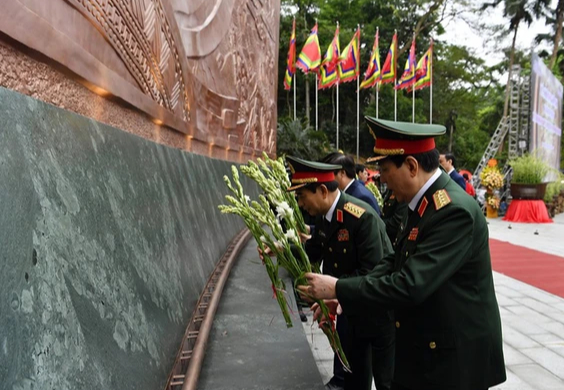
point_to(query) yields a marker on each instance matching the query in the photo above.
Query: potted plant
(529, 173)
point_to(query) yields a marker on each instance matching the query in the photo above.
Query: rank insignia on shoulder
(422, 207)
(441, 199)
(413, 234)
(343, 235)
(353, 209)
(339, 216)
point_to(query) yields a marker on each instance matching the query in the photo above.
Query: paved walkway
(532, 319)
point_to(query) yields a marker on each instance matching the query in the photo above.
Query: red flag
(389, 68)
(291, 62)
(408, 78)
(349, 65)
(310, 57)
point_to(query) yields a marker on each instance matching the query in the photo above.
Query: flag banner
(349, 65)
(310, 57)
(389, 68)
(373, 73)
(408, 78)
(424, 71)
(329, 72)
(291, 62)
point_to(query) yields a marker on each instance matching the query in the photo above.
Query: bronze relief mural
(205, 68)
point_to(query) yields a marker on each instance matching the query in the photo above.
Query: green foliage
(553, 189)
(299, 140)
(528, 169)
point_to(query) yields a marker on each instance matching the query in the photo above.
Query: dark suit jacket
(459, 179)
(359, 191)
(440, 283)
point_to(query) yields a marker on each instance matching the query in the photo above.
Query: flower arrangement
(528, 169)
(493, 202)
(264, 218)
(376, 192)
(491, 177)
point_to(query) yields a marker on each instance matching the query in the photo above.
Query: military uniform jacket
(393, 214)
(351, 245)
(448, 328)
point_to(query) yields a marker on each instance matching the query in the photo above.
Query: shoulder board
(441, 199)
(353, 209)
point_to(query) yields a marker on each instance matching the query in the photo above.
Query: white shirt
(449, 172)
(329, 215)
(423, 189)
(348, 185)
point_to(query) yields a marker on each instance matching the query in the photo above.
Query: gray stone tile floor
(532, 319)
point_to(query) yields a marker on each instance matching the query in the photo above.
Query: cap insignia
(441, 199)
(353, 209)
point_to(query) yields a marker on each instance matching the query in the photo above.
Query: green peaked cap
(399, 138)
(304, 172)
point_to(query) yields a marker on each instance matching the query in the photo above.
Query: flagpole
(357, 113)
(395, 81)
(316, 99)
(431, 84)
(377, 93)
(295, 116)
(338, 82)
(413, 103)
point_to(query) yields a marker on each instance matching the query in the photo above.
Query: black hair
(429, 161)
(465, 175)
(346, 162)
(359, 168)
(450, 156)
(332, 186)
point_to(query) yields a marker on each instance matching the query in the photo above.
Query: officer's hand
(332, 305)
(319, 286)
(304, 237)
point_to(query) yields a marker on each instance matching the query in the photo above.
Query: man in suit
(353, 240)
(346, 179)
(447, 162)
(361, 173)
(439, 281)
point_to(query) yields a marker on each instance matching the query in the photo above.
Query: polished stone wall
(107, 240)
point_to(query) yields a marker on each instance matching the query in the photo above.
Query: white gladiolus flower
(263, 238)
(247, 198)
(284, 210)
(291, 235)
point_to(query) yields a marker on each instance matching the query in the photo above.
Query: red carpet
(536, 268)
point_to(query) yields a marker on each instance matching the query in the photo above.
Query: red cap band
(313, 177)
(408, 146)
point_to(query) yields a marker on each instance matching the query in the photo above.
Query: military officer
(353, 240)
(439, 281)
(393, 215)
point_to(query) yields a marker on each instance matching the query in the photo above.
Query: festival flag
(408, 78)
(310, 57)
(424, 72)
(291, 62)
(349, 63)
(373, 73)
(329, 72)
(389, 68)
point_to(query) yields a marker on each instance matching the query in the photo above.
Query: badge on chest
(413, 234)
(343, 235)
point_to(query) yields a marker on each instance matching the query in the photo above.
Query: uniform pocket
(439, 358)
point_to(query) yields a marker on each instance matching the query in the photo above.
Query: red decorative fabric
(527, 211)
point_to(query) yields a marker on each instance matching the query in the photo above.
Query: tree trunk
(450, 138)
(507, 88)
(558, 37)
(511, 60)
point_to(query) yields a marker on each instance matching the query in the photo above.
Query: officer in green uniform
(353, 240)
(439, 281)
(393, 214)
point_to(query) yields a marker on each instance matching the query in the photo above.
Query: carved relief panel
(206, 68)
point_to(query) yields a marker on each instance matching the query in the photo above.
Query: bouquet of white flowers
(263, 218)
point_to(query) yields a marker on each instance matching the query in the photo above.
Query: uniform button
(406, 254)
(344, 251)
(330, 249)
(322, 244)
(336, 265)
(397, 324)
(432, 345)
